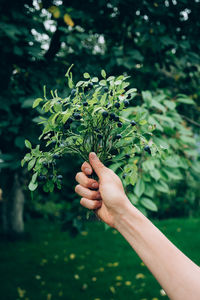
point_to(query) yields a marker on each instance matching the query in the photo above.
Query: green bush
(170, 183)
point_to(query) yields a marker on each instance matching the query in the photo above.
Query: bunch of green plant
(88, 119)
(161, 182)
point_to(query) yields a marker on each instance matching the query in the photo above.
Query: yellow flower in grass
(49, 296)
(21, 292)
(101, 269)
(118, 283)
(119, 278)
(128, 283)
(154, 298)
(60, 294)
(80, 268)
(84, 233)
(76, 276)
(72, 256)
(94, 279)
(140, 276)
(112, 289)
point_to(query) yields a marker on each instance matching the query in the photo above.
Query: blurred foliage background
(157, 43)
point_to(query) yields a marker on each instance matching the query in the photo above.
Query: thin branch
(190, 120)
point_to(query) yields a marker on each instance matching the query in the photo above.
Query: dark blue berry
(127, 156)
(133, 123)
(77, 116)
(118, 136)
(147, 149)
(129, 96)
(90, 85)
(105, 89)
(53, 143)
(105, 114)
(100, 136)
(60, 177)
(126, 103)
(85, 103)
(41, 178)
(119, 124)
(69, 120)
(73, 92)
(116, 118)
(56, 156)
(112, 116)
(66, 126)
(117, 104)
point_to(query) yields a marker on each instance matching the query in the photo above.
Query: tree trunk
(13, 206)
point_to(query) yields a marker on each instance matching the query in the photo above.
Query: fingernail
(88, 171)
(93, 155)
(95, 185)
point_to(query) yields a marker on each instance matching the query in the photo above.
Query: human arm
(176, 273)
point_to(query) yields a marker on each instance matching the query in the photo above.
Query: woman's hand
(109, 199)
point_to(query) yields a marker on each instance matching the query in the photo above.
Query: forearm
(175, 272)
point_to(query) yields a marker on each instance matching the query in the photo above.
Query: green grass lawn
(98, 264)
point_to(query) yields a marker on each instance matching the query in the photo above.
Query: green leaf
(31, 163)
(158, 105)
(161, 187)
(37, 102)
(86, 75)
(186, 101)
(139, 188)
(170, 104)
(34, 177)
(66, 116)
(103, 73)
(147, 97)
(95, 79)
(28, 144)
(133, 198)
(149, 204)
(32, 186)
(155, 174)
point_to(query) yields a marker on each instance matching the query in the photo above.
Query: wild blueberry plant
(88, 119)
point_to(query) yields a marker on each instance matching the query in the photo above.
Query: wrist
(128, 215)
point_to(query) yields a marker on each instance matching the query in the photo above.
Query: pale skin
(176, 273)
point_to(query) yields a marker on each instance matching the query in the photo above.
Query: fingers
(96, 164)
(86, 168)
(85, 181)
(90, 204)
(87, 193)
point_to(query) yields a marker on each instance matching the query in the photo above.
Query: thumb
(97, 165)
